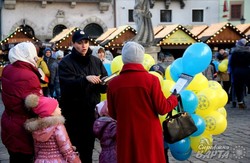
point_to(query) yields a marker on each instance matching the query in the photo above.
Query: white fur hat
(133, 52)
(24, 51)
(102, 108)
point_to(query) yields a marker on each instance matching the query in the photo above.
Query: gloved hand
(174, 92)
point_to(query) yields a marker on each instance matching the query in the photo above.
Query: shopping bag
(43, 78)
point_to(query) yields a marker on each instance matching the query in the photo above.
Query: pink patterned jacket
(51, 141)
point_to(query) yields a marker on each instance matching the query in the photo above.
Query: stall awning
(221, 33)
(174, 35)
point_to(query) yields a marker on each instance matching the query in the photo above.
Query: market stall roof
(221, 33)
(19, 35)
(63, 40)
(245, 29)
(105, 35)
(174, 35)
(115, 37)
(198, 29)
(158, 29)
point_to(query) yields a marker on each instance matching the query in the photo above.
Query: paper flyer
(182, 83)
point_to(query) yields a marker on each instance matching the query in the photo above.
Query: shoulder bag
(179, 126)
(44, 79)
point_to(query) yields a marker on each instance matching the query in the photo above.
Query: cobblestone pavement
(235, 140)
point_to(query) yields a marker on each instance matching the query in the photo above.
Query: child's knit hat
(102, 108)
(41, 105)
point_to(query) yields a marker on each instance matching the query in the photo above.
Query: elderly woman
(19, 79)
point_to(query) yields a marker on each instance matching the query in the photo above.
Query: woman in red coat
(19, 79)
(135, 99)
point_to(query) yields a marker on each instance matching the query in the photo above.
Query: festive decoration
(203, 99)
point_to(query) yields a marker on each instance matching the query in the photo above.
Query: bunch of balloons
(204, 100)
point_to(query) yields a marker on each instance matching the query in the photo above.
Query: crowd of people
(234, 79)
(126, 123)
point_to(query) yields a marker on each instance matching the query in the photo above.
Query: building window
(236, 11)
(197, 16)
(58, 29)
(166, 16)
(130, 16)
(93, 30)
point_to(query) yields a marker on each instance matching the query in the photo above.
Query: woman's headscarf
(25, 51)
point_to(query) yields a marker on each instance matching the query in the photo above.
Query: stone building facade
(46, 18)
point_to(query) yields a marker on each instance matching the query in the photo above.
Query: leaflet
(182, 83)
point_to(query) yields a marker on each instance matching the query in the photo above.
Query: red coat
(135, 99)
(18, 80)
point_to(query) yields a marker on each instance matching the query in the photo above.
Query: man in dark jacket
(80, 76)
(239, 63)
(52, 64)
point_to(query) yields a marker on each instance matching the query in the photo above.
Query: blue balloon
(196, 58)
(176, 69)
(108, 68)
(189, 101)
(199, 123)
(216, 64)
(182, 156)
(181, 146)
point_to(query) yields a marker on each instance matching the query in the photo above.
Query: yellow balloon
(201, 143)
(167, 74)
(222, 97)
(157, 75)
(198, 83)
(225, 61)
(103, 96)
(148, 61)
(166, 87)
(116, 64)
(214, 84)
(207, 101)
(223, 111)
(222, 67)
(216, 123)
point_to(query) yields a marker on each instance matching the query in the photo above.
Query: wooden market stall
(221, 35)
(114, 38)
(198, 29)
(17, 36)
(174, 39)
(63, 40)
(245, 29)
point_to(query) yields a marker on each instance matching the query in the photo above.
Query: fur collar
(34, 124)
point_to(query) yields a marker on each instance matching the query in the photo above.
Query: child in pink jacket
(51, 141)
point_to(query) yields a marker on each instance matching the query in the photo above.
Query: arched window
(58, 29)
(93, 30)
(28, 29)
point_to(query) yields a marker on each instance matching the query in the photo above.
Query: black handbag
(179, 126)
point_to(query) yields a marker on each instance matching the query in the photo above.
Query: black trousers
(79, 125)
(16, 157)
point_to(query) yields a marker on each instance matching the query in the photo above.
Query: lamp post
(242, 20)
